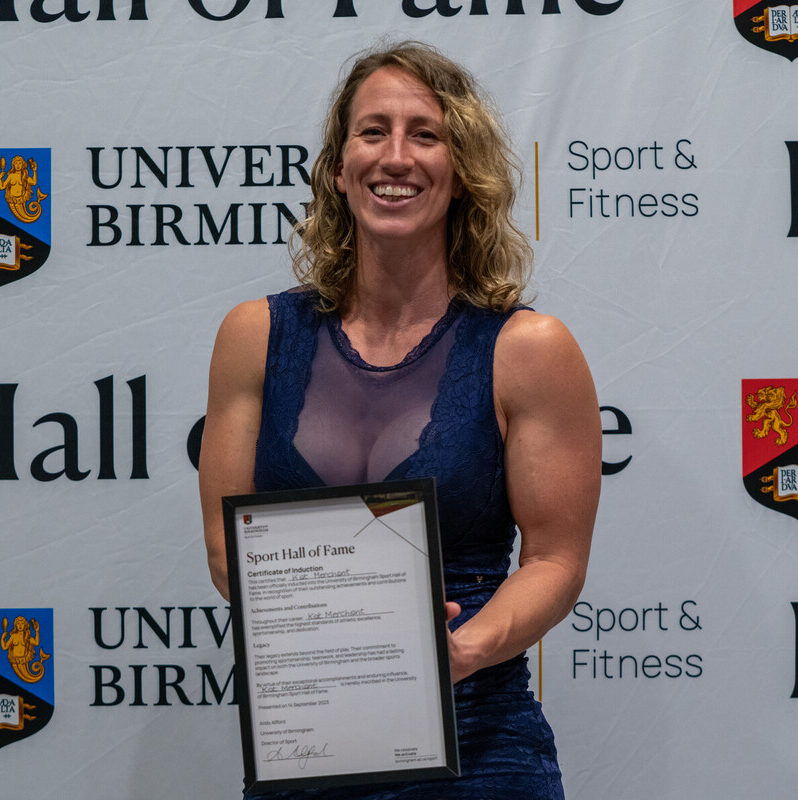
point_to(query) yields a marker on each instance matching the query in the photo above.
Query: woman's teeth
(395, 191)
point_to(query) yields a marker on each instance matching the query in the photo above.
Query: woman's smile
(393, 190)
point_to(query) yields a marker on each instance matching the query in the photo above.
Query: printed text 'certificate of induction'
(340, 639)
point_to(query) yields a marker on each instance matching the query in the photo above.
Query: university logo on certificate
(340, 635)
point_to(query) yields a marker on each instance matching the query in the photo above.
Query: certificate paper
(340, 637)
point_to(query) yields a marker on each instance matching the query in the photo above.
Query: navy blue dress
(506, 745)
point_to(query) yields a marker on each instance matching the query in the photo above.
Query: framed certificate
(339, 630)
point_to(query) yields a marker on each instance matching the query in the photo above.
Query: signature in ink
(301, 753)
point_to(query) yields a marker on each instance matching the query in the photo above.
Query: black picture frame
(256, 777)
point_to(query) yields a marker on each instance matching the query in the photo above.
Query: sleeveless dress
(329, 417)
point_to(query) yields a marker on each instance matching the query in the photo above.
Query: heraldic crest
(26, 672)
(770, 25)
(25, 214)
(770, 452)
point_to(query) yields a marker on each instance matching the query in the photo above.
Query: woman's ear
(340, 183)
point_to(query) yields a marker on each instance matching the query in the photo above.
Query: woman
(405, 354)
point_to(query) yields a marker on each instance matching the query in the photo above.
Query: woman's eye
(429, 135)
(371, 132)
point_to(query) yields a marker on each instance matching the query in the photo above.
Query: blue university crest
(26, 672)
(24, 211)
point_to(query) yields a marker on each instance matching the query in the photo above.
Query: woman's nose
(397, 156)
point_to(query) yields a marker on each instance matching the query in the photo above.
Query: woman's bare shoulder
(246, 319)
(537, 357)
(243, 337)
(535, 341)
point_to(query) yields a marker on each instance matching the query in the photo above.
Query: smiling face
(395, 167)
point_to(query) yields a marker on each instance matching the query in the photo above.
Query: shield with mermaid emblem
(26, 672)
(25, 200)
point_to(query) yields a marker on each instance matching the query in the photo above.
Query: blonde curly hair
(489, 258)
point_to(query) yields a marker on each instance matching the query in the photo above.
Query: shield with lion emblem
(770, 442)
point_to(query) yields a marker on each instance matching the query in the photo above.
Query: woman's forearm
(529, 603)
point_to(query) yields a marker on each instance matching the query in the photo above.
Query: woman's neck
(391, 276)
(395, 301)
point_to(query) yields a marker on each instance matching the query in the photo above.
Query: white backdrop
(673, 304)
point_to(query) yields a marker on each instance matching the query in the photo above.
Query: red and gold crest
(770, 25)
(770, 442)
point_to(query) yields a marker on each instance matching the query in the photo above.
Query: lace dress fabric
(331, 418)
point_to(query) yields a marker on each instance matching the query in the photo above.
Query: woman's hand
(458, 659)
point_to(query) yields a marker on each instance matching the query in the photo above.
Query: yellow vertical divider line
(537, 195)
(540, 670)
(537, 239)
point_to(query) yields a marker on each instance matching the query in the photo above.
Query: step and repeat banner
(153, 159)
